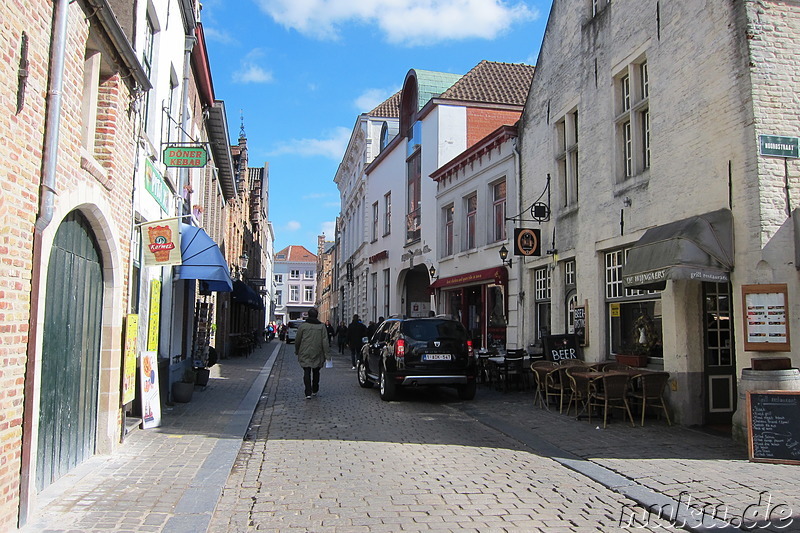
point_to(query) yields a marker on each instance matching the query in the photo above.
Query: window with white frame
(278, 278)
(470, 222)
(632, 89)
(278, 298)
(541, 284)
(387, 213)
(294, 293)
(571, 294)
(567, 157)
(634, 315)
(499, 211)
(308, 293)
(309, 274)
(374, 221)
(294, 274)
(147, 62)
(447, 238)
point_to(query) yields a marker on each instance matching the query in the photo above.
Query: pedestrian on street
(329, 328)
(311, 347)
(341, 337)
(356, 332)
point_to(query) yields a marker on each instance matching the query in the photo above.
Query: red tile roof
(389, 108)
(488, 81)
(295, 254)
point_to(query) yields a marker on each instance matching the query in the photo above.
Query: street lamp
(432, 272)
(243, 259)
(504, 256)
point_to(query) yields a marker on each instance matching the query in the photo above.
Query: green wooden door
(70, 351)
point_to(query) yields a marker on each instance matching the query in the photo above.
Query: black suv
(419, 351)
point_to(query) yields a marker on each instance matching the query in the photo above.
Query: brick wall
(481, 122)
(104, 192)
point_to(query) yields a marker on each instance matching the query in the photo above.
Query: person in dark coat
(311, 347)
(356, 331)
(341, 336)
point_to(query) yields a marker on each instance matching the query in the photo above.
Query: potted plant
(632, 355)
(182, 390)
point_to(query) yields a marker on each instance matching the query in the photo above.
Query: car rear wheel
(388, 388)
(363, 380)
(467, 392)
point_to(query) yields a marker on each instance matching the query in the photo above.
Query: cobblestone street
(346, 461)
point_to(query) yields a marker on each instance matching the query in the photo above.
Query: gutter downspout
(46, 208)
(520, 276)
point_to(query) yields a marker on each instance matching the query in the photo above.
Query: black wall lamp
(432, 272)
(504, 255)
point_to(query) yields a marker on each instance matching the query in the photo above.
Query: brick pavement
(167, 478)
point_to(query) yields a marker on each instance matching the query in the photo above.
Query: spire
(242, 134)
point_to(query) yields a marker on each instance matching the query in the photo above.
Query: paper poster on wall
(420, 309)
(155, 314)
(129, 359)
(766, 317)
(151, 397)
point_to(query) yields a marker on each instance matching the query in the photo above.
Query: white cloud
(250, 71)
(329, 229)
(370, 99)
(220, 36)
(410, 22)
(333, 146)
(293, 225)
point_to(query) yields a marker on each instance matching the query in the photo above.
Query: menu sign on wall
(766, 317)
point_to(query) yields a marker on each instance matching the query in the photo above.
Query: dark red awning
(496, 275)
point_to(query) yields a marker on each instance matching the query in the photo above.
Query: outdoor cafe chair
(556, 386)
(540, 370)
(651, 392)
(609, 391)
(578, 387)
(512, 369)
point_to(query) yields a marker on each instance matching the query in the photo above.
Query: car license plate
(437, 357)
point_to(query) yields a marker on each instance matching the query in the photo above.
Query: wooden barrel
(760, 380)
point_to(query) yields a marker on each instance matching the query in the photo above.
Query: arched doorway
(70, 351)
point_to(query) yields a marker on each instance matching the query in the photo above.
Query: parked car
(291, 329)
(418, 351)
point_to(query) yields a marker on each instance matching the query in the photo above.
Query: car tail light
(400, 349)
(470, 351)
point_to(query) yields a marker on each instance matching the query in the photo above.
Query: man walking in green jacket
(311, 347)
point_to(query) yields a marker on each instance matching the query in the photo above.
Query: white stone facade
(718, 74)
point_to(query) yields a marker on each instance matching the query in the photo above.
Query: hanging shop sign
(527, 241)
(155, 315)
(151, 399)
(162, 240)
(185, 156)
(156, 186)
(129, 358)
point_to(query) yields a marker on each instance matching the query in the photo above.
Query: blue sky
(301, 71)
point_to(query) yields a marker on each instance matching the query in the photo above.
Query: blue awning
(203, 260)
(245, 295)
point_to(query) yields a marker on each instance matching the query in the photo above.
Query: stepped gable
(389, 108)
(488, 81)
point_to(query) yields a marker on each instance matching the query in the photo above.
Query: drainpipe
(521, 291)
(46, 207)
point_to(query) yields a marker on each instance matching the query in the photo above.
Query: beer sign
(185, 156)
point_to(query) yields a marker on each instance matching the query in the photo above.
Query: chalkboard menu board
(560, 347)
(773, 421)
